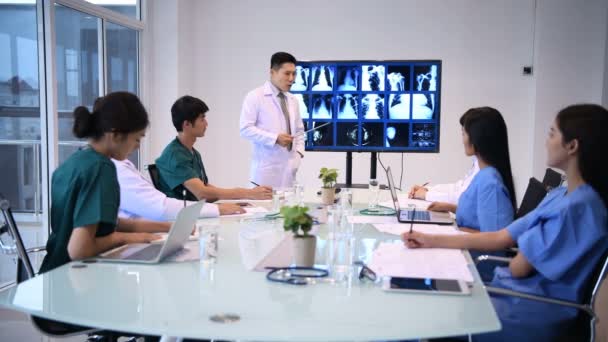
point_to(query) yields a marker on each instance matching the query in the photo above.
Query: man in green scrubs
(180, 166)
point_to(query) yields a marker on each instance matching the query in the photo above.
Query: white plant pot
(304, 249)
(328, 195)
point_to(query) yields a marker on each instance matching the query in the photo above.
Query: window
(20, 180)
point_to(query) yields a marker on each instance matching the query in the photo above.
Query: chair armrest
(506, 292)
(486, 257)
(36, 249)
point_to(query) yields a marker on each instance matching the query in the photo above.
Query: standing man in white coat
(271, 120)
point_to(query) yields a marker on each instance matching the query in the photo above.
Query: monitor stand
(349, 172)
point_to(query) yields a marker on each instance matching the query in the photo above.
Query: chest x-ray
(303, 105)
(423, 135)
(322, 78)
(372, 106)
(397, 135)
(426, 78)
(348, 106)
(348, 78)
(372, 77)
(300, 82)
(399, 106)
(321, 107)
(423, 106)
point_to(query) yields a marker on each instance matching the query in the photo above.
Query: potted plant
(328, 192)
(297, 221)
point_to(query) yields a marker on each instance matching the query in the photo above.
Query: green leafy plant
(296, 220)
(328, 177)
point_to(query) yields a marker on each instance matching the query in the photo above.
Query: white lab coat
(261, 122)
(139, 197)
(450, 193)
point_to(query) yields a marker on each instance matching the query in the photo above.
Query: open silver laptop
(154, 253)
(414, 215)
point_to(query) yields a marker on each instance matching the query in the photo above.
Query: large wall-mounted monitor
(372, 106)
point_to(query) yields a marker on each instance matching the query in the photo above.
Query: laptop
(152, 253)
(413, 215)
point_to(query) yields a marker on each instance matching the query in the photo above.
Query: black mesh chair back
(153, 171)
(534, 194)
(552, 179)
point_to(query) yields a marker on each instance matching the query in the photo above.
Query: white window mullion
(101, 48)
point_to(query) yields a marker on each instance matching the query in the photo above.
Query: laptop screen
(391, 186)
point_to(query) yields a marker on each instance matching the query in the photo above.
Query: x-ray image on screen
(399, 106)
(372, 134)
(398, 78)
(348, 78)
(303, 103)
(300, 83)
(397, 135)
(348, 106)
(321, 106)
(425, 78)
(372, 77)
(423, 106)
(347, 134)
(322, 78)
(372, 106)
(324, 136)
(423, 135)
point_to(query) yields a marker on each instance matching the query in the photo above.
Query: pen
(412, 221)
(254, 183)
(425, 184)
(184, 193)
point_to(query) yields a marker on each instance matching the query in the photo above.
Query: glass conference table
(182, 299)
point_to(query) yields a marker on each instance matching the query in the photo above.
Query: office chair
(587, 310)
(552, 179)
(25, 271)
(153, 171)
(535, 192)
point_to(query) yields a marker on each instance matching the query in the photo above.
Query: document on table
(405, 202)
(400, 228)
(249, 211)
(395, 260)
(363, 219)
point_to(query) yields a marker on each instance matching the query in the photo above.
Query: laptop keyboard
(412, 215)
(147, 253)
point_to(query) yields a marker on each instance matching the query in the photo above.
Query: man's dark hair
(280, 58)
(187, 108)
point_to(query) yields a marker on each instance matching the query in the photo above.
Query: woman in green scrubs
(85, 192)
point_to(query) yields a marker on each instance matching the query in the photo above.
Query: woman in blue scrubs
(85, 192)
(560, 242)
(488, 203)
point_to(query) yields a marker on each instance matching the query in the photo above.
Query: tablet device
(426, 285)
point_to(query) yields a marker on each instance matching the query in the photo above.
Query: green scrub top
(84, 191)
(176, 165)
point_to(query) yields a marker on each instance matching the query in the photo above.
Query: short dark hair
(187, 108)
(487, 133)
(280, 58)
(119, 112)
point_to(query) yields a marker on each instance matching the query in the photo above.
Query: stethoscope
(295, 275)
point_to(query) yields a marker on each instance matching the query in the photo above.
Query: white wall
(570, 62)
(224, 49)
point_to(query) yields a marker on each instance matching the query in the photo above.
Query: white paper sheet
(249, 211)
(400, 228)
(396, 260)
(405, 202)
(362, 219)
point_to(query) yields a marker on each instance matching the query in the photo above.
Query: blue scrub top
(485, 205)
(564, 239)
